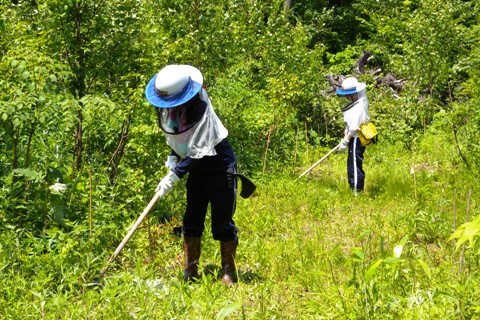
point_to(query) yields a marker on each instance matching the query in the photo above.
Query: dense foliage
(81, 152)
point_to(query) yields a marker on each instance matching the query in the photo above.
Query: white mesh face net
(183, 117)
(357, 114)
(199, 134)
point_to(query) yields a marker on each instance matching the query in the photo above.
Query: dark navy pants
(356, 175)
(220, 191)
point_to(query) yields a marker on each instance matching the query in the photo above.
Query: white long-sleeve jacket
(356, 113)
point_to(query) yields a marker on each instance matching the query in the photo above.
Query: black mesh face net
(183, 117)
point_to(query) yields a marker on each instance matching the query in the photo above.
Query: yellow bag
(366, 133)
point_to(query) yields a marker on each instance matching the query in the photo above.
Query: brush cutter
(316, 163)
(130, 233)
(248, 187)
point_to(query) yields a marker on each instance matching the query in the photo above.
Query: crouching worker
(200, 148)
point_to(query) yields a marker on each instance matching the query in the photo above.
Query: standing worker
(354, 114)
(200, 148)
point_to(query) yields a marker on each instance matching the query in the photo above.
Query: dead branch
(389, 80)
(359, 66)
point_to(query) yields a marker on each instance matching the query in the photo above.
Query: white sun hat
(350, 86)
(174, 85)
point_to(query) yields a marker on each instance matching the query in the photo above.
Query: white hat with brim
(350, 86)
(174, 85)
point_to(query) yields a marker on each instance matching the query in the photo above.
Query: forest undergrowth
(308, 249)
(81, 155)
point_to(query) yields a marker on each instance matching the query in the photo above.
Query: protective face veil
(183, 117)
(185, 113)
(356, 112)
(197, 137)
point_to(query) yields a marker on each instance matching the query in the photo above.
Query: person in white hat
(200, 148)
(354, 114)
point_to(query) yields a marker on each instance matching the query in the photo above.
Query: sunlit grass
(308, 249)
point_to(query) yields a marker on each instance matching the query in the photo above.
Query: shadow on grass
(389, 186)
(246, 277)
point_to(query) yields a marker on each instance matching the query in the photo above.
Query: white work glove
(171, 162)
(343, 145)
(167, 183)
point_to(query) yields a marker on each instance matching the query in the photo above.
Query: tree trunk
(80, 89)
(15, 154)
(119, 150)
(29, 145)
(79, 140)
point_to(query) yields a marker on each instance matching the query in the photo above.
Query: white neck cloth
(202, 138)
(357, 114)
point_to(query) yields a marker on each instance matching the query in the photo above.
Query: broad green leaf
(371, 271)
(466, 232)
(58, 213)
(425, 268)
(29, 174)
(358, 253)
(397, 250)
(225, 311)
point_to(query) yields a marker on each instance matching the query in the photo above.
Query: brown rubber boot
(191, 248)
(228, 250)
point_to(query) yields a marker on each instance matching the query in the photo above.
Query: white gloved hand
(171, 162)
(167, 183)
(343, 145)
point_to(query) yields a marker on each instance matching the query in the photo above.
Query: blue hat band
(170, 101)
(347, 91)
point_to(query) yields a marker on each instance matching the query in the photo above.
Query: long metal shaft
(134, 228)
(316, 163)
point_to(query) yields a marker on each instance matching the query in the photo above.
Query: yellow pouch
(366, 133)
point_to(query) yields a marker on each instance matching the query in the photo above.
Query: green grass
(308, 249)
